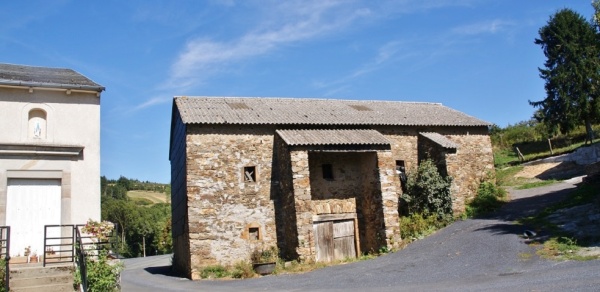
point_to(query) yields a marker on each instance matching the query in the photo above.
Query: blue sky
(476, 56)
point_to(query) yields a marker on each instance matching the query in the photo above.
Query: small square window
(327, 171)
(400, 166)
(253, 233)
(249, 173)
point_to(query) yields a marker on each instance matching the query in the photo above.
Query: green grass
(561, 246)
(537, 184)
(418, 226)
(489, 198)
(148, 197)
(214, 272)
(503, 157)
(539, 150)
(506, 176)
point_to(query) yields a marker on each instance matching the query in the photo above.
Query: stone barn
(319, 179)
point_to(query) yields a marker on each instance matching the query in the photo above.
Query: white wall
(72, 120)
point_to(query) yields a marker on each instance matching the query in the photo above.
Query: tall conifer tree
(571, 72)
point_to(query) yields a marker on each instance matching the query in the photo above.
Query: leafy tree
(116, 192)
(571, 73)
(138, 226)
(125, 183)
(427, 192)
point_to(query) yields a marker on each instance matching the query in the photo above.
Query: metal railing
(62, 244)
(66, 244)
(81, 264)
(5, 253)
(89, 246)
(59, 244)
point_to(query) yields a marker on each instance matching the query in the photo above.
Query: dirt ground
(551, 170)
(532, 171)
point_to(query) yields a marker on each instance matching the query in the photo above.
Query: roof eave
(338, 124)
(49, 85)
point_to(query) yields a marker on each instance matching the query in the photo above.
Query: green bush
(143, 202)
(427, 192)
(417, 226)
(489, 198)
(102, 275)
(2, 275)
(242, 270)
(214, 272)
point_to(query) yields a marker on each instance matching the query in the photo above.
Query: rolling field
(152, 196)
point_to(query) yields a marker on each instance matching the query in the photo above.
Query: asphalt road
(472, 255)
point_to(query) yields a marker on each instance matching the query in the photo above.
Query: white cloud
(487, 27)
(391, 52)
(279, 24)
(284, 24)
(153, 101)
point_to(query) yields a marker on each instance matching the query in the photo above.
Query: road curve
(471, 255)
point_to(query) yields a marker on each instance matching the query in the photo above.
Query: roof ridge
(306, 111)
(303, 99)
(33, 66)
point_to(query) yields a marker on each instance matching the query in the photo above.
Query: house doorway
(335, 239)
(31, 204)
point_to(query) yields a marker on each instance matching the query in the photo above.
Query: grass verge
(489, 198)
(536, 184)
(561, 245)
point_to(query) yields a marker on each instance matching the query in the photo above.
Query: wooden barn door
(334, 240)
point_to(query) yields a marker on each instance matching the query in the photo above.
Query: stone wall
(355, 188)
(302, 203)
(179, 207)
(472, 162)
(364, 183)
(285, 207)
(431, 150)
(390, 189)
(228, 216)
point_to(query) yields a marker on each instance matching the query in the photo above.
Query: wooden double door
(335, 239)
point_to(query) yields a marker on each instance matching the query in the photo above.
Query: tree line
(142, 230)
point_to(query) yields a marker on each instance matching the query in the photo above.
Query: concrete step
(45, 288)
(35, 277)
(37, 270)
(43, 280)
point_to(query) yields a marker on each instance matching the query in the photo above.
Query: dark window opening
(327, 171)
(250, 174)
(254, 233)
(400, 166)
(401, 172)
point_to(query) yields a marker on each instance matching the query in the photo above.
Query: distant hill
(149, 197)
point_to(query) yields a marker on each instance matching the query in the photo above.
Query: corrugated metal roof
(304, 111)
(332, 137)
(440, 140)
(30, 76)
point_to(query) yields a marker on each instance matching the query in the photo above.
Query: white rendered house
(49, 151)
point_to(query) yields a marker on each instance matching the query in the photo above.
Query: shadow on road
(525, 203)
(161, 270)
